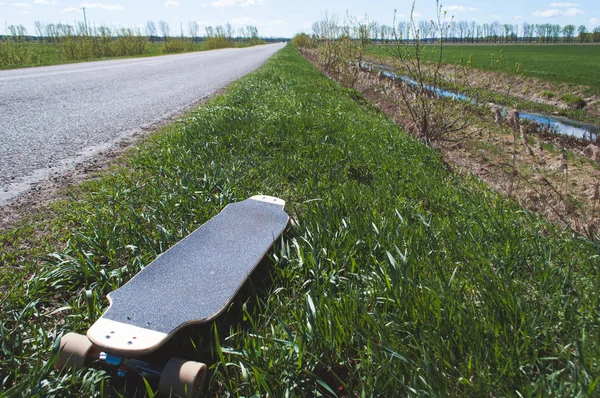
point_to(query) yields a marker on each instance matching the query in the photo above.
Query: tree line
(154, 31)
(472, 32)
(66, 42)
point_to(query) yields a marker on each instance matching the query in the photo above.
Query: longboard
(192, 282)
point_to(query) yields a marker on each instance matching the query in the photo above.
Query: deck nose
(269, 199)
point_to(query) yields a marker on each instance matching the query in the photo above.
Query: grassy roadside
(47, 54)
(402, 278)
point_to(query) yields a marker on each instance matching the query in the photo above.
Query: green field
(573, 64)
(401, 278)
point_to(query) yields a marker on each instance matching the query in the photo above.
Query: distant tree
(374, 30)
(596, 35)
(463, 30)
(496, 30)
(363, 30)
(569, 33)
(540, 31)
(251, 32)
(527, 32)
(452, 32)
(316, 28)
(17, 31)
(485, 32)
(473, 31)
(164, 28)
(210, 32)
(229, 31)
(193, 28)
(508, 32)
(151, 30)
(582, 31)
(423, 31)
(40, 30)
(385, 33)
(556, 31)
(220, 32)
(51, 32)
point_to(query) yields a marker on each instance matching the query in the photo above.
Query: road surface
(52, 118)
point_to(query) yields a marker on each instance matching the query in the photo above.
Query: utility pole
(85, 21)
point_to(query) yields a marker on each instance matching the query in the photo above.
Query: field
(31, 54)
(572, 64)
(401, 278)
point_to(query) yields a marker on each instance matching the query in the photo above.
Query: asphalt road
(52, 118)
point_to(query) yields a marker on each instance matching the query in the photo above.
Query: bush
(215, 43)
(15, 52)
(177, 46)
(573, 101)
(548, 94)
(302, 41)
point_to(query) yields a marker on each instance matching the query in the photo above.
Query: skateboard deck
(193, 281)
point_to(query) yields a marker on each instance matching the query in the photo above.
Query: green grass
(572, 64)
(573, 100)
(401, 279)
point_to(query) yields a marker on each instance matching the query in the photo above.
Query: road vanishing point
(54, 117)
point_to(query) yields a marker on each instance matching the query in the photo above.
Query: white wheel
(73, 351)
(293, 223)
(181, 378)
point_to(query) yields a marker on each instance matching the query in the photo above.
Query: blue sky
(285, 18)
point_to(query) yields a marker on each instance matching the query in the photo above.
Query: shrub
(214, 43)
(548, 94)
(573, 101)
(177, 46)
(17, 49)
(302, 41)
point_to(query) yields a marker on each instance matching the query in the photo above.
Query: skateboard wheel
(73, 351)
(181, 378)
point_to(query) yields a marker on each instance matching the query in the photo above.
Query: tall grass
(17, 49)
(400, 279)
(105, 43)
(177, 45)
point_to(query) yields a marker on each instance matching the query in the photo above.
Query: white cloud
(172, 3)
(48, 2)
(243, 21)
(564, 5)
(571, 12)
(595, 21)
(22, 5)
(276, 22)
(70, 10)
(235, 3)
(460, 8)
(518, 18)
(115, 7)
(547, 13)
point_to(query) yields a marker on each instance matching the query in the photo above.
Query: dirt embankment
(547, 174)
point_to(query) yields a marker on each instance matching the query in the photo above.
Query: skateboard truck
(216, 260)
(178, 377)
